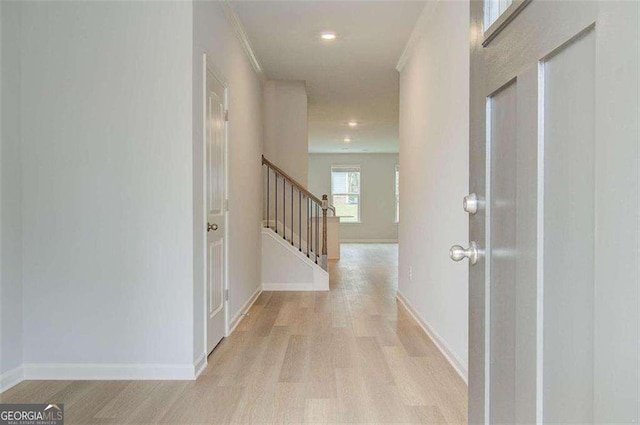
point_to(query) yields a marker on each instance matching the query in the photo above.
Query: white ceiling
(350, 78)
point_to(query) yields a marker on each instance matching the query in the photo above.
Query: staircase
(294, 240)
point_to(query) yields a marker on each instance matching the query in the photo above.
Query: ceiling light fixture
(353, 124)
(347, 140)
(328, 36)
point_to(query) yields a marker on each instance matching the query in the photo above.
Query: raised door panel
(568, 102)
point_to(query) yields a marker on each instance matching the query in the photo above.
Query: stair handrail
(293, 181)
(322, 203)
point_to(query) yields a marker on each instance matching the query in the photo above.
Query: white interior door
(215, 186)
(554, 162)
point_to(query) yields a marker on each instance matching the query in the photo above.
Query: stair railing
(290, 208)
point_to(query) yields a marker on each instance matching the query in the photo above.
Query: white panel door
(554, 162)
(215, 186)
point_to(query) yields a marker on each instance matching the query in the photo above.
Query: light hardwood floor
(350, 355)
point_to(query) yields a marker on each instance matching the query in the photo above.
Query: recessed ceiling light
(353, 124)
(328, 36)
(347, 140)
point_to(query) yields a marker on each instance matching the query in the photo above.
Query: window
(345, 192)
(493, 9)
(397, 193)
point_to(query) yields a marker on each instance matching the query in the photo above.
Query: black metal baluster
(308, 224)
(284, 208)
(268, 205)
(317, 231)
(292, 214)
(300, 220)
(276, 196)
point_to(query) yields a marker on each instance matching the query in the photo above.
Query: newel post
(325, 206)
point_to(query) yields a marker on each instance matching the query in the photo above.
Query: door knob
(457, 253)
(470, 203)
(211, 227)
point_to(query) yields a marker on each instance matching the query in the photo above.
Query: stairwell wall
(286, 141)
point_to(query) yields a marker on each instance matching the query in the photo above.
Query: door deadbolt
(470, 203)
(211, 227)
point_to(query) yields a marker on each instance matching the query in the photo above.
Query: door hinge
(226, 295)
(226, 115)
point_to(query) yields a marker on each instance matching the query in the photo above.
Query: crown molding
(416, 34)
(238, 28)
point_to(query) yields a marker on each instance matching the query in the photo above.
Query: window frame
(491, 29)
(337, 168)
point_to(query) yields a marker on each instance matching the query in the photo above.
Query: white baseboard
(233, 323)
(291, 287)
(11, 378)
(101, 372)
(200, 364)
(442, 345)
(368, 240)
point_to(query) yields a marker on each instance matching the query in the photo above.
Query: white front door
(554, 162)
(215, 186)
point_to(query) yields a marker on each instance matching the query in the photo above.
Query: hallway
(351, 355)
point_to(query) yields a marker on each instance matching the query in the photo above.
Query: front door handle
(458, 253)
(211, 227)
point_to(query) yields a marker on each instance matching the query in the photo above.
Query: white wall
(107, 183)
(285, 268)
(377, 186)
(434, 129)
(10, 202)
(286, 142)
(101, 175)
(214, 36)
